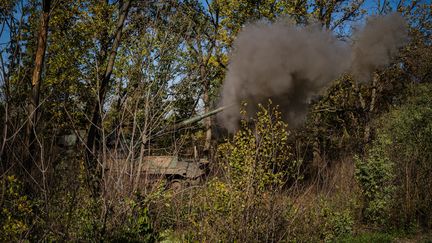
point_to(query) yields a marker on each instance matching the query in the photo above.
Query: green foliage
(367, 238)
(337, 223)
(220, 211)
(335, 122)
(86, 220)
(375, 175)
(16, 213)
(409, 128)
(245, 204)
(259, 156)
(395, 174)
(138, 227)
(322, 218)
(171, 61)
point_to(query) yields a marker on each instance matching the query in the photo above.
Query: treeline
(112, 76)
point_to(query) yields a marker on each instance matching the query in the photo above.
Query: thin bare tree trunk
(36, 85)
(14, 35)
(371, 108)
(207, 121)
(3, 156)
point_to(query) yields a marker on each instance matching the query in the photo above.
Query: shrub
(337, 224)
(16, 211)
(322, 218)
(395, 175)
(367, 238)
(138, 226)
(409, 128)
(259, 156)
(247, 204)
(375, 175)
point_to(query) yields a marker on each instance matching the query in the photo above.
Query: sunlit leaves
(259, 156)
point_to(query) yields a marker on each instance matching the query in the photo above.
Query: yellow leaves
(16, 211)
(216, 61)
(259, 154)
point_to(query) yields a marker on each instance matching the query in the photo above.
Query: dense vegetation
(116, 76)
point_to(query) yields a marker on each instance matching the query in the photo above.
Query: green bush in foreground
(367, 238)
(395, 176)
(247, 204)
(259, 156)
(409, 129)
(375, 175)
(16, 211)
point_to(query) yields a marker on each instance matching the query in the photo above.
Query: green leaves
(16, 213)
(259, 155)
(408, 127)
(395, 174)
(375, 175)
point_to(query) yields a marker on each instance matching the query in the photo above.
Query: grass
(367, 237)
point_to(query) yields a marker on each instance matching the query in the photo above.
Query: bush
(247, 204)
(337, 224)
(367, 238)
(259, 156)
(16, 213)
(375, 175)
(410, 129)
(396, 174)
(322, 218)
(258, 163)
(138, 226)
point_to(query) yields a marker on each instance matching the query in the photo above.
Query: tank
(172, 165)
(192, 120)
(178, 172)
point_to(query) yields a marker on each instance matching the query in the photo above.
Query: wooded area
(92, 92)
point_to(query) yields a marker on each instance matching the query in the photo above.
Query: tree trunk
(93, 137)
(36, 85)
(3, 155)
(208, 120)
(368, 110)
(371, 108)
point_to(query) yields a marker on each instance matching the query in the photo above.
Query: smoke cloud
(289, 64)
(377, 43)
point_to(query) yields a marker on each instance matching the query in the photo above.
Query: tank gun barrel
(198, 118)
(192, 120)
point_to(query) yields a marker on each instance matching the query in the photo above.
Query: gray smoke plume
(377, 43)
(289, 64)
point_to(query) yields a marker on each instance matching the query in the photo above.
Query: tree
(36, 86)
(104, 79)
(9, 61)
(202, 60)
